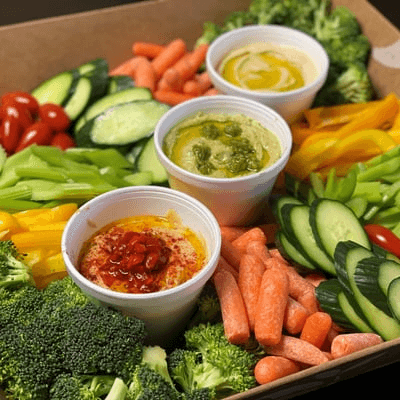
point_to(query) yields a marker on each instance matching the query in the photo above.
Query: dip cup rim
(208, 268)
(243, 31)
(220, 99)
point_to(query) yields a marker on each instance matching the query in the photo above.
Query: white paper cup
(234, 201)
(164, 312)
(289, 104)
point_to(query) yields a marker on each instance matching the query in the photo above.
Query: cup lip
(248, 30)
(220, 99)
(115, 295)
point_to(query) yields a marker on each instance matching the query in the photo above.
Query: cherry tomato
(18, 112)
(55, 116)
(23, 98)
(39, 133)
(62, 140)
(384, 238)
(10, 133)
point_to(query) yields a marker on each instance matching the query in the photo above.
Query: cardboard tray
(33, 51)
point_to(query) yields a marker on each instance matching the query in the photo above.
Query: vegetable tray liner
(30, 52)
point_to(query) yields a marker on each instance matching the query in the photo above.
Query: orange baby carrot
(234, 315)
(179, 73)
(170, 97)
(231, 253)
(198, 56)
(145, 75)
(309, 301)
(270, 368)
(348, 343)
(295, 316)
(198, 85)
(276, 253)
(146, 49)
(260, 250)
(271, 306)
(232, 232)
(297, 349)
(298, 285)
(223, 264)
(250, 276)
(316, 328)
(211, 92)
(172, 52)
(128, 67)
(253, 234)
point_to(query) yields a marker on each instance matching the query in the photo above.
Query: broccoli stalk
(13, 270)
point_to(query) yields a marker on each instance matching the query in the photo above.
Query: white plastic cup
(288, 104)
(164, 312)
(234, 201)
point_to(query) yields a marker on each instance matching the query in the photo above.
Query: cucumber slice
(327, 293)
(290, 252)
(332, 221)
(112, 100)
(97, 72)
(56, 89)
(394, 298)
(121, 125)
(118, 83)
(373, 276)
(79, 99)
(347, 256)
(279, 202)
(296, 223)
(148, 161)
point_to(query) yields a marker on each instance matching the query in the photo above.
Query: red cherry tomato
(10, 133)
(384, 238)
(39, 133)
(55, 116)
(23, 98)
(62, 140)
(18, 112)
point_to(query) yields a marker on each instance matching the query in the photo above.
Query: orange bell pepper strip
(301, 132)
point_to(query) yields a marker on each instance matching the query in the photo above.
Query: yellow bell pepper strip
(37, 239)
(301, 132)
(54, 226)
(9, 223)
(63, 212)
(360, 140)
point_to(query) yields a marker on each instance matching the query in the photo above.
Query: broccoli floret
(87, 387)
(13, 270)
(200, 394)
(340, 24)
(210, 361)
(268, 11)
(238, 19)
(352, 86)
(210, 32)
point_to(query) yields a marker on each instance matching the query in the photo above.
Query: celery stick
(13, 205)
(43, 190)
(110, 175)
(78, 191)
(8, 178)
(143, 178)
(107, 157)
(331, 184)
(317, 184)
(371, 191)
(395, 152)
(359, 205)
(377, 171)
(388, 217)
(40, 173)
(21, 192)
(3, 157)
(78, 153)
(346, 186)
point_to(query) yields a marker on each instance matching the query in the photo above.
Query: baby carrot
(271, 306)
(170, 97)
(276, 253)
(223, 264)
(270, 368)
(145, 75)
(198, 56)
(198, 85)
(146, 49)
(172, 52)
(295, 316)
(175, 76)
(234, 315)
(260, 250)
(211, 92)
(345, 344)
(309, 301)
(297, 349)
(231, 253)
(232, 232)
(316, 328)
(128, 67)
(253, 234)
(250, 276)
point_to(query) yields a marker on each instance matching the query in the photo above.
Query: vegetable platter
(108, 34)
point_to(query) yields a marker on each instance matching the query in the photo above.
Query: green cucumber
(332, 221)
(118, 83)
(347, 256)
(394, 298)
(78, 101)
(279, 202)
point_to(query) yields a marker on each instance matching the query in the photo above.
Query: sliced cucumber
(332, 221)
(347, 256)
(394, 297)
(290, 252)
(296, 223)
(118, 83)
(121, 125)
(57, 89)
(327, 293)
(79, 99)
(373, 276)
(112, 100)
(97, 72)
(148, 161)
(279, 202)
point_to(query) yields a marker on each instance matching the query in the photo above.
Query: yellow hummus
(221, 145)
(268, 67)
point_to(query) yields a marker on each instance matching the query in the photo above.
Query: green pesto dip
(221, 145)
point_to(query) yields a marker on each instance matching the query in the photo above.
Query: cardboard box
(33, 51)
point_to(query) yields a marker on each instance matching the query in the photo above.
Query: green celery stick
(317, 184)
(371, 191)
(110, 175)
(43, 190)
(78, 191)
(139, 178)
(346, 186)
(78, 154)
(107, 157)
(3, 157)
(394, 152)
(359, 205)
(331, 185)
(14, 205)
(40, 173)
(389, 216)
(377, 171)
(21, 192)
